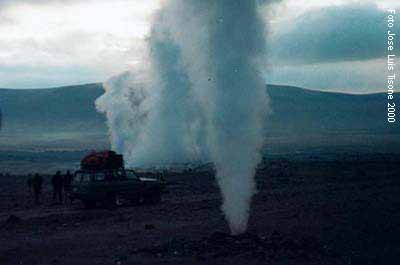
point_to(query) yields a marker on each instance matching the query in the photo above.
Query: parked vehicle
(103, 179)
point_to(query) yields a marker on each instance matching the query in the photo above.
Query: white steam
(203, 97)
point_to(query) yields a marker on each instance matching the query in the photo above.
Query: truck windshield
(82, 177)
(131, 175)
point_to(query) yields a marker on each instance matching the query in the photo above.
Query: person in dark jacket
(67, 183)
(37, 182)
(57, 183)
(29, 183)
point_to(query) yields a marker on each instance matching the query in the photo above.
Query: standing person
(57, 183)
(29, 183)
(67, 183)
(37, 182)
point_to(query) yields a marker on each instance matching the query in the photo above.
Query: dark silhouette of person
(29, 183)
(37, 182)
(57, 183)
(67, 182)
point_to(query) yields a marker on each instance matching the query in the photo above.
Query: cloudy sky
(330, 45)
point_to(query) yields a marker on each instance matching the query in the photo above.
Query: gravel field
(336, 209)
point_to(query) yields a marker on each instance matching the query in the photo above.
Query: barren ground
(341, 209)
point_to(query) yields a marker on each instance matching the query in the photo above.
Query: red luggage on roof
(102, 160)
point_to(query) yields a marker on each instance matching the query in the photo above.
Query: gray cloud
(4, 4)
(337, 33)
(8, 2)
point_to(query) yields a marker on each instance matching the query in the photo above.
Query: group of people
(60, 184)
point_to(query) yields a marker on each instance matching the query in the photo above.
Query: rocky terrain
(332, 209)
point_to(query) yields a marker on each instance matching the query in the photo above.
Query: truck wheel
(135, 201)
(119, 200)
(154, 197)
(88, 204)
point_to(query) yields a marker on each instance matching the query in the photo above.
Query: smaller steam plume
(202, 98)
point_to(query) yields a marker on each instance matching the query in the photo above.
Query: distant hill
(308, 111)
(63, 117)
(66, 118)
(305, 120)
(51, 109)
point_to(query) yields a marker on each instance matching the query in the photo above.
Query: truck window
(85, 178)
(76, 179)
(99, 176)
(131, 175)
(82, 177)
(119, 174)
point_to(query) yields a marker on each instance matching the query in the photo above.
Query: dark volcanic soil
(309, 210)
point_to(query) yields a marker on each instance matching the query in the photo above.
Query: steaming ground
(340, 208)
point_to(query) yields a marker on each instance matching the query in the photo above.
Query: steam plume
(207, 100)
(152, 116)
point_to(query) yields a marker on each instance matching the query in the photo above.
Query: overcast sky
(330, 45)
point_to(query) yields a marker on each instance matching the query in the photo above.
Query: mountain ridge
(66, 116)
